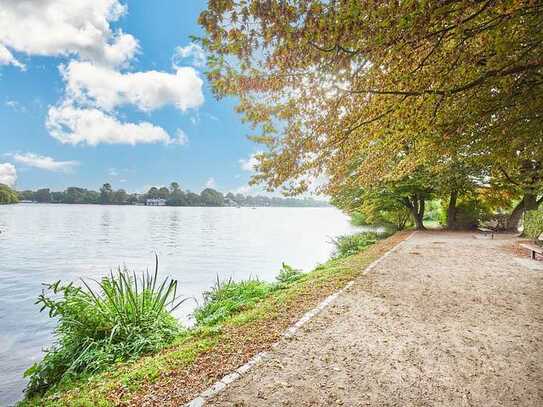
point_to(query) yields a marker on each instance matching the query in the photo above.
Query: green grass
(349, 245)
(230, 308)
(228, 298)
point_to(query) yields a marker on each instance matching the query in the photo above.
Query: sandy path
(448, 319)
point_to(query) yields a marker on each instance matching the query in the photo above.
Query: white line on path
(236, 374)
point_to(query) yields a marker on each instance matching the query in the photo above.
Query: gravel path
(450, 319)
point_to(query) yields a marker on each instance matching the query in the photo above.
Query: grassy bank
(237, 321)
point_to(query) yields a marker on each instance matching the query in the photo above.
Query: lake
(43, 243)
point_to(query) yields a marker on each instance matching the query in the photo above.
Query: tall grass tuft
(229, 297)
(288, 275)
(119, 319)
(348, 245)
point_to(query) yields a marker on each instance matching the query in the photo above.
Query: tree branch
(507, 176)
(481, 79)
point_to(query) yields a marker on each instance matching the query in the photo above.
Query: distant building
(155, 202)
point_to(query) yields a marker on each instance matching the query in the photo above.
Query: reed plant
(114, 320)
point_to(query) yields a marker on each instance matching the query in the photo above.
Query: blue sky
(99, 91)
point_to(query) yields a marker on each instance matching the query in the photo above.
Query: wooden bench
(532, 247)
(486, 231)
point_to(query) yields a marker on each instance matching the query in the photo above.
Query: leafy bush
(358, 219)
(533, 225)
(228, 298)
(119, 320)
(392, 215)
(352, 244)
(288, 275)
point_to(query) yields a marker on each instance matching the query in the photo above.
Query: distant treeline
(7, 195)
(172, 196)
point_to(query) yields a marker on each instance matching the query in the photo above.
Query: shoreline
(208, 353)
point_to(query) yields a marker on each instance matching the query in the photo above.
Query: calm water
(44, 243)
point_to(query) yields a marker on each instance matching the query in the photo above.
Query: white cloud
(250, 163)
(96, 85)
(106, 88)
(181, 137)
(65, 27)
(16, 106)
(210, 183)
(8, 174)
(7, 58)
(113, 172)
(72, 125)
(44, 162)
(194, 52)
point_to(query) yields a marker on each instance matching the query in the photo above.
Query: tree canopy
(366, 92)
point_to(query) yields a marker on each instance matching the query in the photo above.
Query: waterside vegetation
(236, 320)
(123, 317)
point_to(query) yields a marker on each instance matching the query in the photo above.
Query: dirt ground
(449, 319)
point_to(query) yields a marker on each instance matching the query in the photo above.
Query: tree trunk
(417, 211)
(451, 210)
(514, 218)
(415, 204)
(418, 222)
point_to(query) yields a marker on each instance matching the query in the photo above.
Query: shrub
(533, 225)
(228, 298)
(352, 244)
(288, 275)
(119, 320)
(394, 216)
(358, 219)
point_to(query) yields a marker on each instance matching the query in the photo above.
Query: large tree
(388, 201)
(326, 81)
